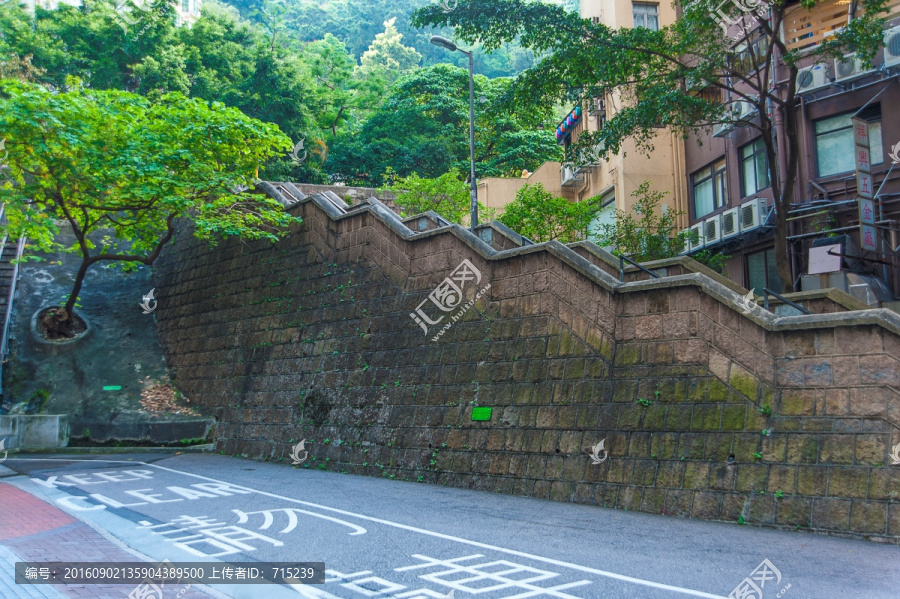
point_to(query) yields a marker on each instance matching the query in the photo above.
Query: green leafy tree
(669, 71)
(423, 127)
(118, 170)
(388, 56)
(448, 195)
(539, 215)
(646, 234)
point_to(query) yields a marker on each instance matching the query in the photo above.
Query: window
(710, 189)
(646, 15)
(754, 168)
(605, 216)
(834, 144)
(749, 57)
(762, 272)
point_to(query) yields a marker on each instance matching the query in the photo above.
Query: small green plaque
(481, 413)
(112, 388)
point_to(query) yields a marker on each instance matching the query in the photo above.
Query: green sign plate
(481, 413)
(112, 388)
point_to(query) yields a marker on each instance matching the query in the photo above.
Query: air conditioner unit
(850, 67)
(722, 129)
(744, 111)
(687, 241)
(595, 20)
(731, 222)
(566, 175)
(753, 213)
(812, 78)
(892, 47)
(597, 107)
(697, 230)
(712, 229)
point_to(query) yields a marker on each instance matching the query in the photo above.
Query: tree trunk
(61, 323)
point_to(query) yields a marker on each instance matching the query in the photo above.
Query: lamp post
(443, 42)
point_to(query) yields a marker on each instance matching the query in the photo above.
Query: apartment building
(730, 199)
(613, 178)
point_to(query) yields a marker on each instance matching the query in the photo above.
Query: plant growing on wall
(118, 169)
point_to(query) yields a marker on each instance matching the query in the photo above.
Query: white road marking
(423, 531)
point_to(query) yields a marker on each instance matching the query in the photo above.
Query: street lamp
(443, 42)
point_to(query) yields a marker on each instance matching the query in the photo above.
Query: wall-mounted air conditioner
(567, 175)
(731, 222)
(892, 47)
(722, 129)
(743, 110)
(596, 107)
(753, 213)
(687, 241)
(812, 78)
(850, 67)
(712, 229)
(697, 232)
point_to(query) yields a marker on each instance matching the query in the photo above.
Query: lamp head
(443, 42)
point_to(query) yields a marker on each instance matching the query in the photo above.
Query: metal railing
(7, 317)
(624, 259)
(767, 292)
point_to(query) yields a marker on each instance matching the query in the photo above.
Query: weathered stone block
(868, 517)
(707, 505)
(837, 449)
(848, 481)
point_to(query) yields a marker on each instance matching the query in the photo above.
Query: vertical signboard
(865, 187)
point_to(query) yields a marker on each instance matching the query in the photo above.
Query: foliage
(667, 71)
(119, 169)
(423, 128)
(357, 23)
(539, 215)
(388, 55)
(448, 195)
(714, 260)
(649, 233)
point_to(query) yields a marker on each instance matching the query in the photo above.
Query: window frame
(647, 9)
(773, 284)
(718, 176)
(742, 166)
(848, 128)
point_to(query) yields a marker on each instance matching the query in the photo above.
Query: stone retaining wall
(705, 411)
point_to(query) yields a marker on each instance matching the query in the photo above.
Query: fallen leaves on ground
(160, 399)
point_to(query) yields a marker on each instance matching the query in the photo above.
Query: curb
(207, 448)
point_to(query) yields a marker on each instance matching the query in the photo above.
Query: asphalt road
(388, 538)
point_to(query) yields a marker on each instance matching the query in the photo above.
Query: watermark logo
(3, 449)
(448, 297)
(295, 454)
(752, 586)
(894, 153)
(747, 302)
(758, 9)
(146, 303)
(128, 13)
(595, 453)
(296, 158)
(449, 6)
(895, 455)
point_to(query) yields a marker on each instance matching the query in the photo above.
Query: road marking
(439, 535)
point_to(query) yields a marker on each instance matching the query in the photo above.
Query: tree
(448, 195)
(119, 170)
(423, 127)
(388, 55)
(667, 70)
(539, 215)
(648, 233)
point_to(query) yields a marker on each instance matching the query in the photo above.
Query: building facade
(728, 183)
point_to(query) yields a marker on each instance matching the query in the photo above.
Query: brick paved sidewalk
(34, 530)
